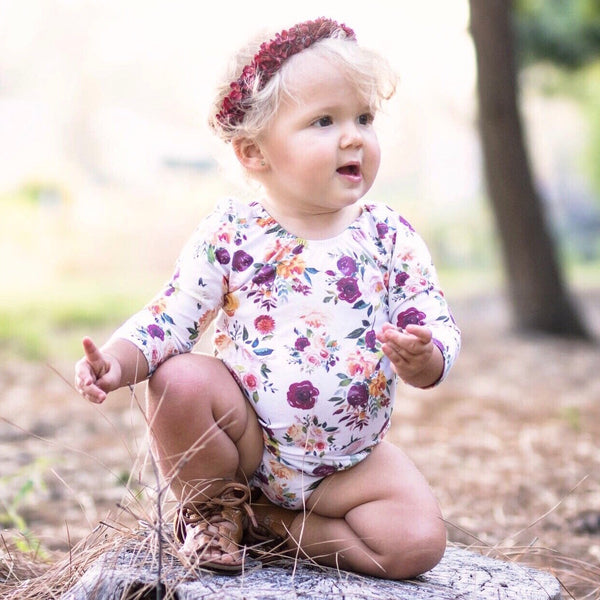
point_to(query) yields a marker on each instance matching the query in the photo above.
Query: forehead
(311, 78)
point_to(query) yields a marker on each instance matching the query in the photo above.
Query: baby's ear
(249, 154)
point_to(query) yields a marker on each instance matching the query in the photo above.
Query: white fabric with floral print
(296, 323)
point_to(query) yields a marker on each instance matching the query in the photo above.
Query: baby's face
(320, 148)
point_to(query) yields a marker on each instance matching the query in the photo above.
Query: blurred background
(106, 166)
(107, 163)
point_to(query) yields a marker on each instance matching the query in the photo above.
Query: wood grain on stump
(132, 574)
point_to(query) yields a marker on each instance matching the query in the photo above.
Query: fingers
(89, 371)
(412, 340)
(409, 350)
(93, 355)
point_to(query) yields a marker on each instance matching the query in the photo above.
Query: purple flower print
(154, 331)
(358, 395)
(302, 395)
(348, 289)
(222, 256)
(301, 343)
(401, 278)
(411, 316)
(241, 261)
(382, 229)
(266, 275)
(324, 470)
(370, 339)
(347, 265)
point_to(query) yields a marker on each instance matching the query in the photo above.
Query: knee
(181, 376)
(426, 547)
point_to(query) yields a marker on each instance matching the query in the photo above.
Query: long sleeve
(415, 295)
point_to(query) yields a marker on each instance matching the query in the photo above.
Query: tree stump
(132, 573)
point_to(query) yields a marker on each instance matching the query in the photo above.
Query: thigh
(383, 515)
(387, 474)
(190, 393)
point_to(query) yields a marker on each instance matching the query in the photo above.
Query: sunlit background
(107, 163)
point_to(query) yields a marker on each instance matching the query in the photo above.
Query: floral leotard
(295, 324)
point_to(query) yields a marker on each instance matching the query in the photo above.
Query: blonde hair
(370, 72)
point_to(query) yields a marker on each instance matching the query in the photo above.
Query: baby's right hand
(97, 373)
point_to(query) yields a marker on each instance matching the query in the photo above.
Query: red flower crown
(268, 60)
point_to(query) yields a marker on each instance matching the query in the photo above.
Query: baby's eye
(323, 121)
(366, 119)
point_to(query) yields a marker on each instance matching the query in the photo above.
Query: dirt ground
(510, 443)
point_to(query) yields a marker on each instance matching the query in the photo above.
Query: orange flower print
(358, 363)
(376, 284)
(231, 304)
(280, 471)
(207, 318)
(223, 235)
(222, 341)
(377, 387)
(277, 251)
(314, 319)
(288, 268)
(264, 324)
(158, 307)
(265, 222)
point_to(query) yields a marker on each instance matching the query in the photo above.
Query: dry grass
(509, 443)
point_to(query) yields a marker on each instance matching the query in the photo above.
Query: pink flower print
(264, 324)
(250, 382)
(320, 445)
(314, 319)
(347, 265)
(411, 316)
(359, 364)
(348, 289)
(241, 261)
(154, 331)
(376, 284)
(358, 395)
(302, 395)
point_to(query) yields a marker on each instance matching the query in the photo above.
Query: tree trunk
(538, 295)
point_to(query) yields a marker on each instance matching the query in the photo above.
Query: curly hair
(368, 71)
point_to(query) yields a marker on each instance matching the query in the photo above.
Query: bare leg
(201, 425)
(379, 518)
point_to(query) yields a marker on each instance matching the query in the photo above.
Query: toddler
(321, 300)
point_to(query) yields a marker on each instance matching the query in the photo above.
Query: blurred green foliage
(566, 35)
(28, 484)
(564, 32)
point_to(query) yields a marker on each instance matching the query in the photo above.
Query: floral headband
(268, 60)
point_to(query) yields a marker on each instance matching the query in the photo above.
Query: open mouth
(352, 169)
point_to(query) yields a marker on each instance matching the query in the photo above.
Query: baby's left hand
(415, 358)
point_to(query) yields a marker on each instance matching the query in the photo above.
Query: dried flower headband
(268, 60)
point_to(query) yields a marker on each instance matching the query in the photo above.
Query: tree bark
(538, 295)
(131, 575)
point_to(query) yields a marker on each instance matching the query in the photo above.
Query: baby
(321, 300)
